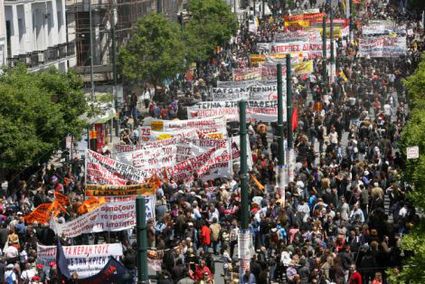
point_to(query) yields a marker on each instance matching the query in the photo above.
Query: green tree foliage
(413, 134)
(37, 111)
(211, 24)
(155, 51)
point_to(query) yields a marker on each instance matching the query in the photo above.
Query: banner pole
(290, 150)
(280, 131)
(244, 254)
(142, 241)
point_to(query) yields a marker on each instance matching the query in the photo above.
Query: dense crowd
(334, 226)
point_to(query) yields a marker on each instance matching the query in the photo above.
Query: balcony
(42, 57)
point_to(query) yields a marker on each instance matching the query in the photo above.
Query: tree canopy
(414, 135)
(211, 24)
(37, 111)
(155, 51)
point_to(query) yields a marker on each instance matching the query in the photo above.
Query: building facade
(36, 34)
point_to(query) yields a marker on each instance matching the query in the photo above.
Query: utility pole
(244, 234)
(142, 241)
(290, 151)
(91, 52)
(280, 141)
(254, 8)
(331, 35)
(324, 71)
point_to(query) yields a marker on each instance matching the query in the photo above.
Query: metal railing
(39, 57)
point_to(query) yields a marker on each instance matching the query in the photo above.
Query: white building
(36, 34)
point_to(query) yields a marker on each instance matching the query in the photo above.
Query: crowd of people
(342, 217)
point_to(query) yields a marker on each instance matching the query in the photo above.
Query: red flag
(294, 118)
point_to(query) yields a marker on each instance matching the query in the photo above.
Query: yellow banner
(261, 58)
(297, 23)
(116, 190)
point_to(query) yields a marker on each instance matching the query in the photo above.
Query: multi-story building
(36, 34)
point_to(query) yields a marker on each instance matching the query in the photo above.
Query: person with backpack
(10, 276)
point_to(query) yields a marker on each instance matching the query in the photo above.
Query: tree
(211, 24)
(155, 52)
(413, 270)
(37, 111)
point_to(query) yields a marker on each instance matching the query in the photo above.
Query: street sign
(412, 152)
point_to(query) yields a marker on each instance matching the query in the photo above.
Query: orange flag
(41, 214)
(90, 204)
(257, 183)
(61, 198)
(56, 208)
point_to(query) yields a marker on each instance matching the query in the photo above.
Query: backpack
(9, 279)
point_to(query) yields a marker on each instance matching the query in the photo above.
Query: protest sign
(252, 92)
(246, 83)
(265, 111)
(314, 17)
(147, 188)
(85, 260)
(103, 170)
(242, 74)
(212, 123)
(116, 216)
(383, 46)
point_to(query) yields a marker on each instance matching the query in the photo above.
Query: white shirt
(28, 274)
(10, 273)
(333, 137)
(285, 258)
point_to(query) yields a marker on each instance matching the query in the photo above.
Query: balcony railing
(36, 58)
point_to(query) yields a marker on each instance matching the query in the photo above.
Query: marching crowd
(333, 226)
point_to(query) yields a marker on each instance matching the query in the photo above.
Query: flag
(294, 118)
(257, 183)
(343, 76)
(41, 214)
(61, 262)
(90, 204)
(56, 208)
(113, 272)
(61, 198)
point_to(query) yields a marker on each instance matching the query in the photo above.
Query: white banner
(246, 83)
(103, 170)
(205, 157)
(265, 111)
(85, 260)
(109, 217)
(252, 92)
(383, 46)
(306, 50)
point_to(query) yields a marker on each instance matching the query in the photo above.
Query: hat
(10, 266)
(19, 213)
(190, 224)
(366, 173)
(39, 266)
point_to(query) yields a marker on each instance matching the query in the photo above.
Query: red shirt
(199, 272)
(206, 235)
(355, 278)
